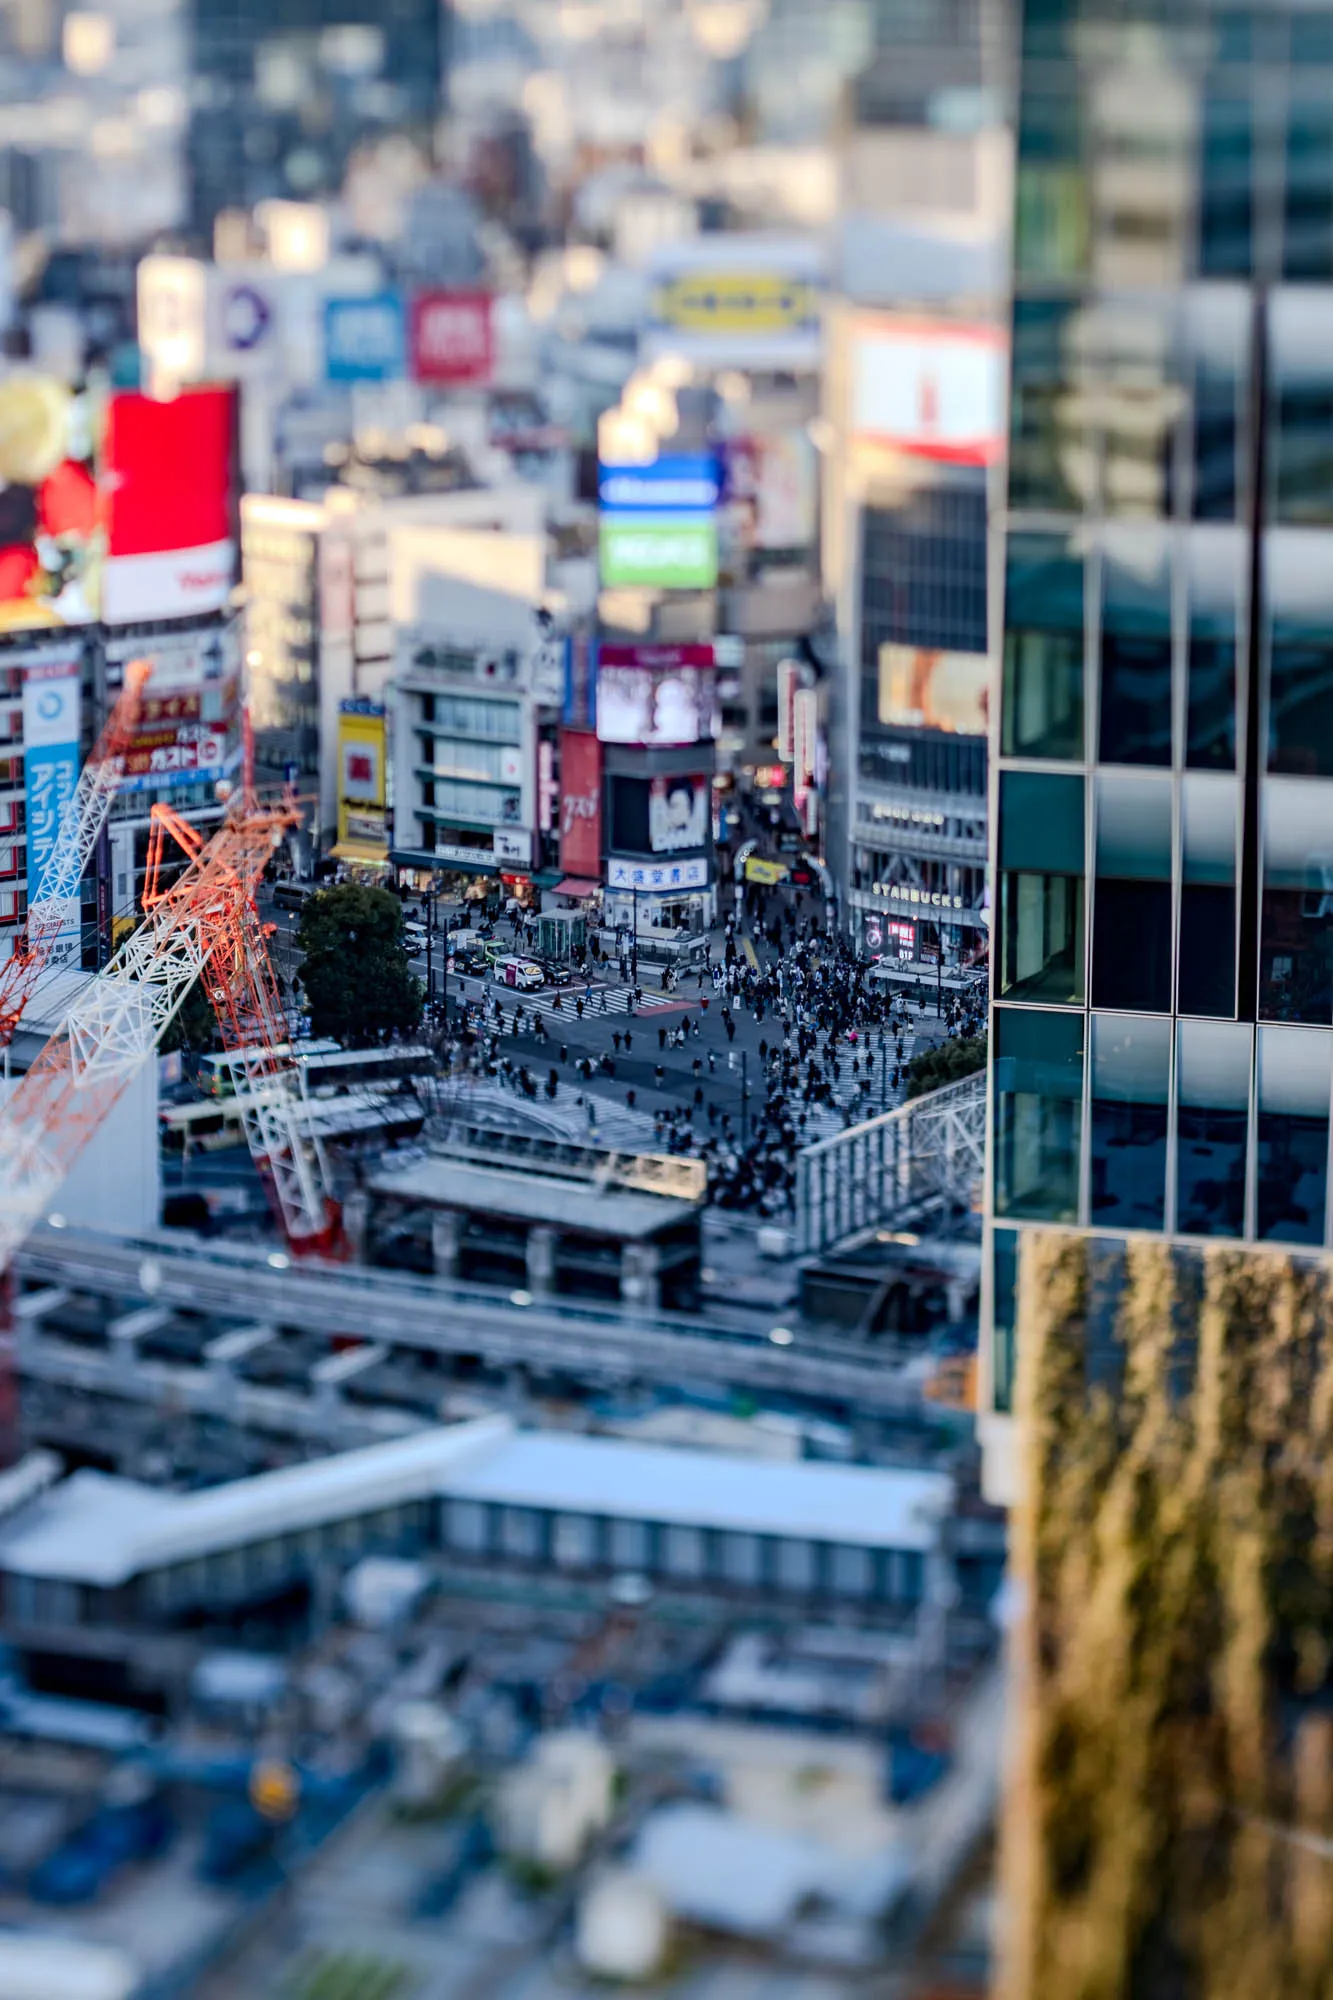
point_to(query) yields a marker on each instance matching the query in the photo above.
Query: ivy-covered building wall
(1168, 1829)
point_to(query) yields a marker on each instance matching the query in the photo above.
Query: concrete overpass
(389, 1309)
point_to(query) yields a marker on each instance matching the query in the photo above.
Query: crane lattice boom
(115, 1024)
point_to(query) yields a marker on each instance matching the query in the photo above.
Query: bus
(328, 1062)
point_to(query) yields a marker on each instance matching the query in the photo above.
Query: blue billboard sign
(365, 339)
(51, 718)
(681, 483)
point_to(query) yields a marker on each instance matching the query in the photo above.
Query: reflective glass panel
(1296, 931)
(1042, 708)
(1038, 1113)
(1131, 941)
(1295, 1070)
(1135, 653)
(1212, 1118)
(1131, 1066)
(1041, 851)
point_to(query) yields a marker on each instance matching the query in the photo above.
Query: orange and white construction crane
(81, 821)
(239, 982)
(202, 923)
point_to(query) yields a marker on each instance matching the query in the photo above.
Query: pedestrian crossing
(543, 1001)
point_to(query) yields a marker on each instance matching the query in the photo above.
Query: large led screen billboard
(659, 696)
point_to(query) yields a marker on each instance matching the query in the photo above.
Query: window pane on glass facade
(1131, 936)
(1047, 443)
(1042, 709)
(1131, 1062)
(1004, 1305)
(1226, 196)
(1307, 242)
(1300, 371)
(1212, 1118)
(1210, 824)
(1296, 932)
(1051, 191)
(1038, 1113)
(1041, 886)
(1041, 938)
(1295, 1071)
(1299, 585)
(1217, 561)
(1136, 661)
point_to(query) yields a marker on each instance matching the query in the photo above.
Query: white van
(520, 973)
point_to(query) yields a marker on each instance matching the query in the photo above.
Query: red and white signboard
(169, 481)
(451, 338)
(930, 388)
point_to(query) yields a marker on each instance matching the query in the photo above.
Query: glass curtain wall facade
(1162, 788)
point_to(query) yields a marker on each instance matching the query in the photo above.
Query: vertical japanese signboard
(51, 715)
(580, 804)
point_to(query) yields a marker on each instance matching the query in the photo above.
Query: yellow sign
(766, 872)
(362, 822)
(274, 1789)
(743, 302)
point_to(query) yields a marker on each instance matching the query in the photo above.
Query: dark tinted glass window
(1131, 935)
(1292, 1137)
(1136, 666)
(1226, 200)
(1308, 239)
(1038, 1113)
(1042, 707)
(1210, 720)
(1131, 1062)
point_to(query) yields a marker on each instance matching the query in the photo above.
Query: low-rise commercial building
(551, 1231)
(108, 1569)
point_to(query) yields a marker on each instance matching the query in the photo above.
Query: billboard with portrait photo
(678, 814)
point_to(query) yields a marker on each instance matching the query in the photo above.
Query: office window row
(1138, 636)
(923, 571)
(1128, 653)
(1122, 888)
(1202, 1128)
(1236, 162)
(1140, 407)
(681, 1553)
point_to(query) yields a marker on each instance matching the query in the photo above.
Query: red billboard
(169, 484)
(581, 804)
(451, 338)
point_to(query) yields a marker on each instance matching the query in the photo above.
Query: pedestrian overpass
(922, 1161)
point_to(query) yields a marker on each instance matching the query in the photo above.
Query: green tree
(355, 968)
(193, 1028)
(947, 1062)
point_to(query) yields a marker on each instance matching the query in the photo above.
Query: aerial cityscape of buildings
(665, 999)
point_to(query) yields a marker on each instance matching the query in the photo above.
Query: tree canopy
(947, 1062)
(355, 970)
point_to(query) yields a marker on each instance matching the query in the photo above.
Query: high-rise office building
(1162, 783)
(284, 93)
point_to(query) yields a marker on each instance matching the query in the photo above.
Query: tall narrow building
(1162, 773)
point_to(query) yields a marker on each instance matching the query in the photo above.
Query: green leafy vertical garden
(1168, 1829)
